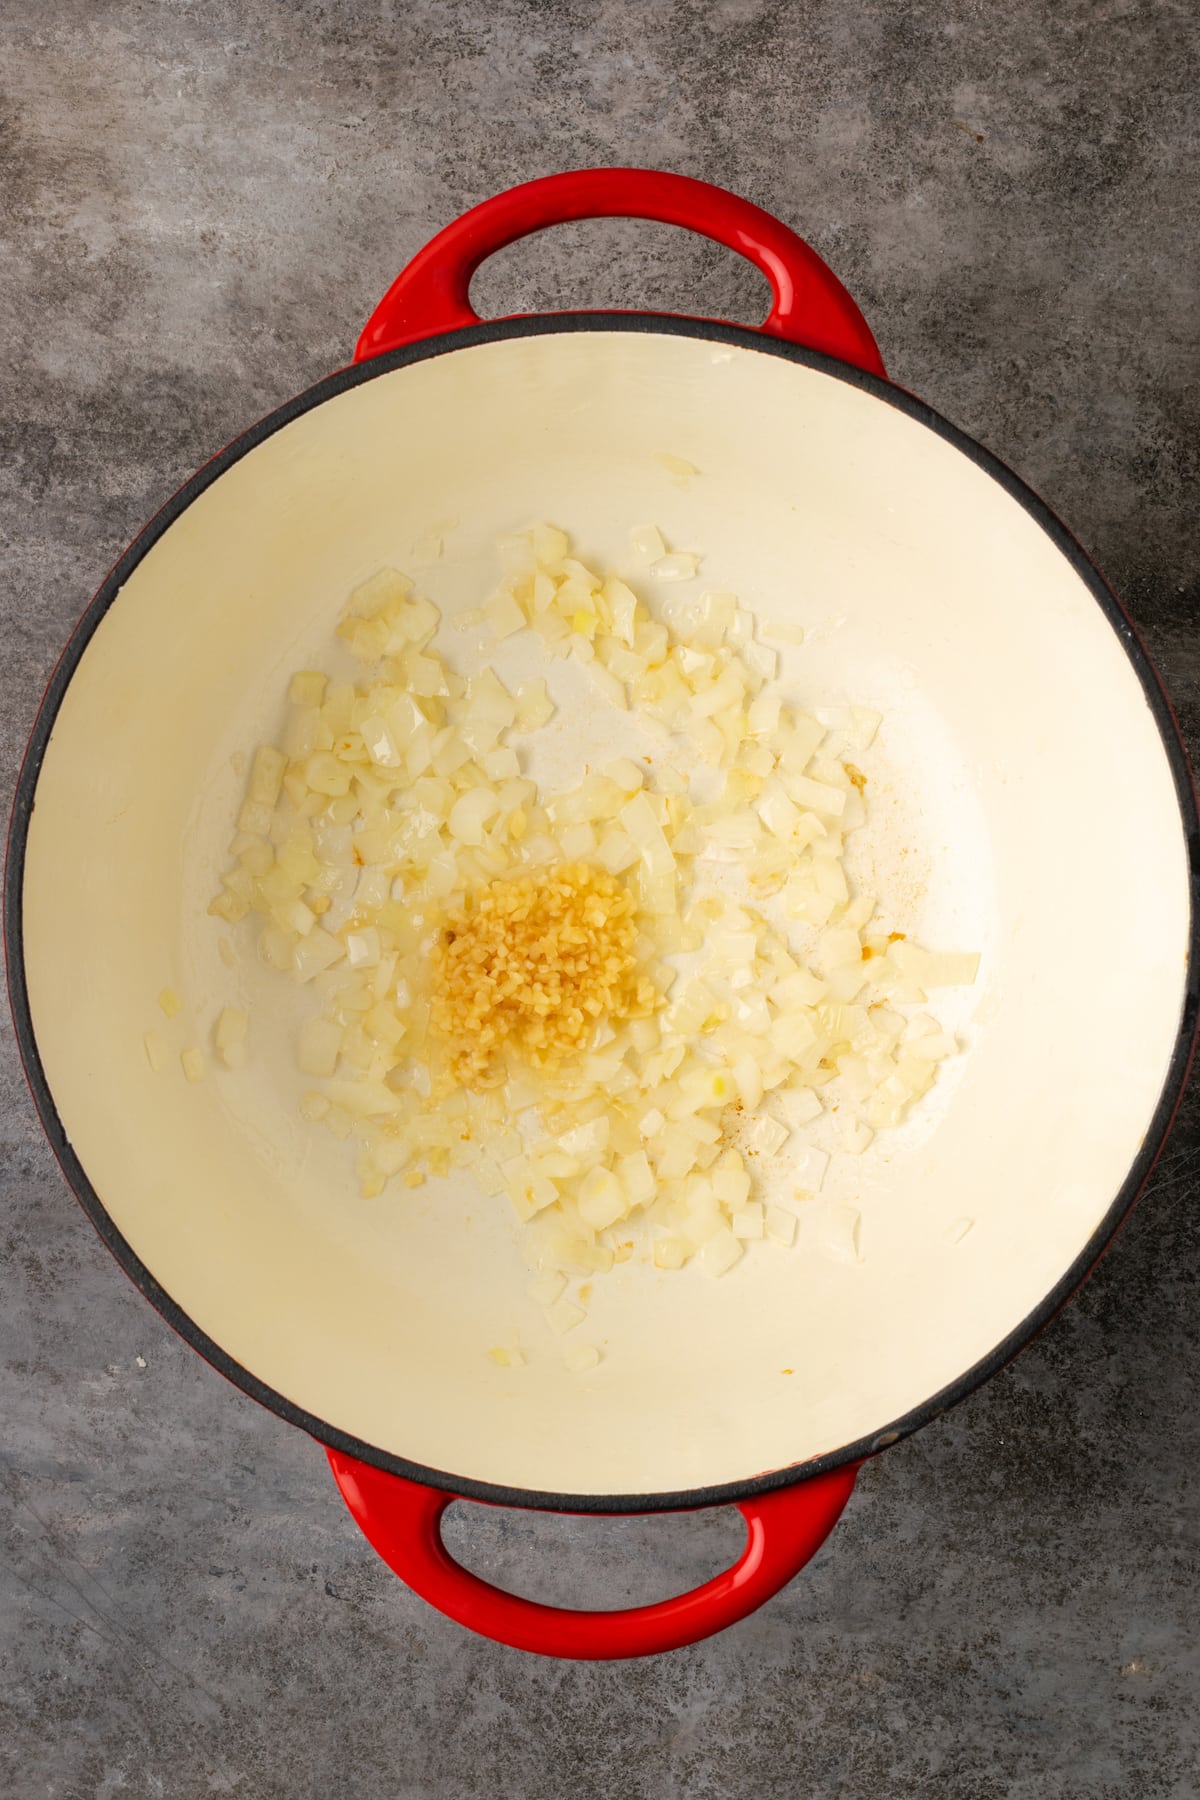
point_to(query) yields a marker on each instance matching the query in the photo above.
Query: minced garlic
(533, 964)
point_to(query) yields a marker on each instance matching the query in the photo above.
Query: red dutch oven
(1030, 800)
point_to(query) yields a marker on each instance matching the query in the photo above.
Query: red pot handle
(810, 305)
(402, 1520)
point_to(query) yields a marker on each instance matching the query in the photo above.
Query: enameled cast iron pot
(1030, 799)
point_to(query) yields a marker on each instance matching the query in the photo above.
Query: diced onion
(307, 688)
(318, 951)
(503, 614)
(818, 796)
(671, 1252)
(808, 1168)
(546, 1287)
(394, 812)
(230, 1036)
(720, 1253)
(780, 1225)
(646, 542)
(748, 1223)
(471, 814)
(681, 565)
(564, 1315)
(732, 1186)
(839, 1234)
(602, 1199)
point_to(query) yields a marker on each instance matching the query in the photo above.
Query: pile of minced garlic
(534, 965)
(625, 1005)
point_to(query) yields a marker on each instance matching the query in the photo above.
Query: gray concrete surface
(200, 205)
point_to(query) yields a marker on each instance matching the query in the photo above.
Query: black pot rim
(322, 1430)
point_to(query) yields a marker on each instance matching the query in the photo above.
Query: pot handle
(809, 306)
(401, 1519)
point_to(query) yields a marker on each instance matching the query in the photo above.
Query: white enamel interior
(1022, 804)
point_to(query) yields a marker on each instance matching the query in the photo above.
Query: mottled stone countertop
(201, 203)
